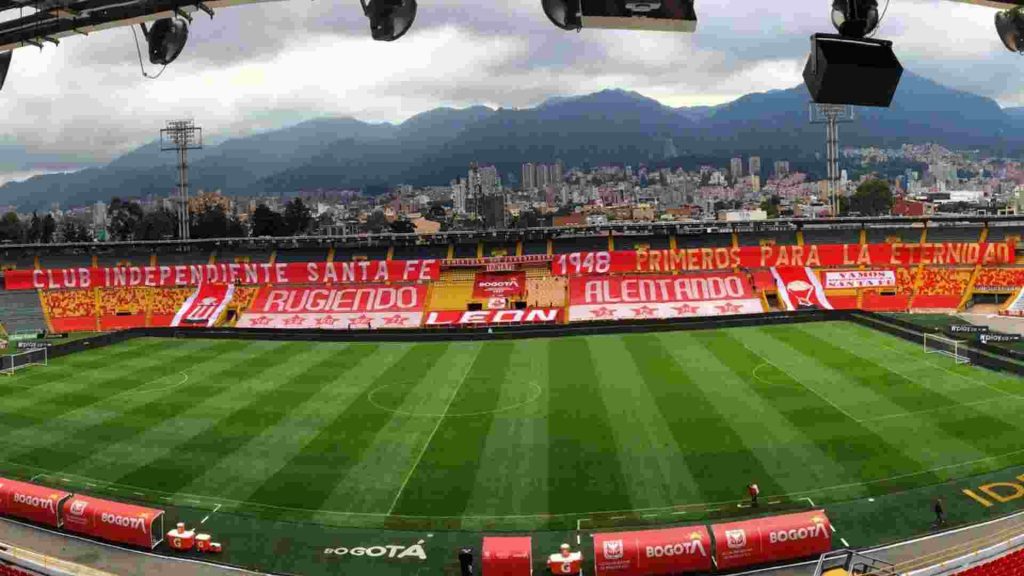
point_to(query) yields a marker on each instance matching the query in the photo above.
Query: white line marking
(431, 437)
(797, 380)
(203, 521)
(33, 479)
(812, 501)
(679, 513)
(832, 526)
(775, 501)
(845, 543)
(941, 408)
(618, 517)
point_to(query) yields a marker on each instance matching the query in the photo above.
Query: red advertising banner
(799, 288)
(114, 521)
(655, 296)
(653, 552)
(507, 556)
(204, 306)
(371, 306)
(840, 279)
(31, 502)
(496, 261)
(816, 255)
(489, 317)
(354, 272)
(771, 539)
(499, 284)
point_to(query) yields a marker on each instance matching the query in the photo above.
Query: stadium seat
(1011, 564)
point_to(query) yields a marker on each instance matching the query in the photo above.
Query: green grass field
(528, 434)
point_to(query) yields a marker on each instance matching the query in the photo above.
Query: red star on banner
(728, 308)
(644, 312)
(260, 321)
(602, 312)
(685, 309)
(294, 321)
(364, 319)
(326, 320)
(396, 320)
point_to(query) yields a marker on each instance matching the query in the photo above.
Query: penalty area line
(207, 517)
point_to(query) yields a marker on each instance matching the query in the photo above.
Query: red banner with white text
(499, 284)
(653, 552)
(843, 279)
(114, 521)
(799, 288)
(204, 306)
(815, 255)
(652, 296)
(354, 272)
(771, 539)
(371, 306)
(490, 317)
(31, 502)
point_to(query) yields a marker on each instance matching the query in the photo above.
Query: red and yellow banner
(354, 272)
(815, 255)
(771, 539)
(499, 284)
(653, 552)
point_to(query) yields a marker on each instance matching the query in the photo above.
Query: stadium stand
(17, 258)
(301, 255)
(229, 254)
(1011, 564)
(641, 241)
(767, 238)
(450, 295)
(890, 234)
(999, 279)
(703, 240)
(21, 311)
(491, 249)
(11, 570)
(954, 233)
(535, 247)
(420, 252)
(465, 250)
(546, 292)
(581, 244)
(170, 256)
(823, 234)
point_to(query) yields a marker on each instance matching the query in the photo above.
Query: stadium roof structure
(689, 228)
(50, 20)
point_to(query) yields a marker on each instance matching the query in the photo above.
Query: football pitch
(512, 434)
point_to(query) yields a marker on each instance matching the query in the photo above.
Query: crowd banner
(813, 255)
(31, 502)
(114, 521)
(204, 307)
(771, 539)
(844, 279)
(800, 289)
(371, 306)
(250, 274)
(657, 296)
(493, 316)
(653, 552)
(499, 285)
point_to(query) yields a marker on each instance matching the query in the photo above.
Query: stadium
(381, 404)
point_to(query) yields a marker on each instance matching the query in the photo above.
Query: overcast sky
(262, 66)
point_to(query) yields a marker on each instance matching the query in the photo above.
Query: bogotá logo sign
(388, 551)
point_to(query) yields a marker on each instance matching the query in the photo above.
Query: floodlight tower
(182, 136)
(831, 115)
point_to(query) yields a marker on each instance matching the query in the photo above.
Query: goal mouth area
(939, 344)
(11, 363)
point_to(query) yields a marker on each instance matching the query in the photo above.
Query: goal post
(939, 344)
(11, 363)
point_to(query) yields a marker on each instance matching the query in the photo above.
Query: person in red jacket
(754, 493)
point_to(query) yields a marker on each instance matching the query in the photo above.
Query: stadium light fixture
(389, 19)
(166, 39)
(1010, 27)
(5, 64)
(855, 18)
(566, 14)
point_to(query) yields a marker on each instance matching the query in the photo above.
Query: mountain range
(611, 126)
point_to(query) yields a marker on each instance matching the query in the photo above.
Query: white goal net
(11, 363)
(939, 344)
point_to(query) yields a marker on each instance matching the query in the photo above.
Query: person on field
(754, 493)
(940, 513)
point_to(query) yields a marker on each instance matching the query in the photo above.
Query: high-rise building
(459, 196)
(754, 165)
(558, 172)
(736, 168)
(529, 176)
(543, 175)
(781, 168)
(489, 179)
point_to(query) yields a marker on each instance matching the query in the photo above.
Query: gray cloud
(261, 66)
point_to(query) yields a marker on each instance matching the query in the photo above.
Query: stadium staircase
(21, 311)
(1015, 305)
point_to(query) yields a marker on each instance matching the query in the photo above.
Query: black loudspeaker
(474, 306)
(858, 72)
(520, 305)
(5, 64)
(466, 562)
